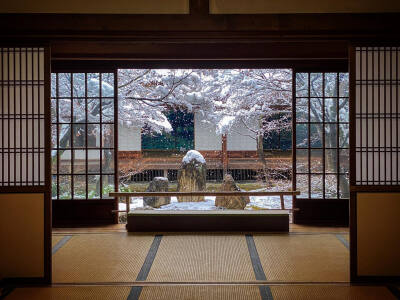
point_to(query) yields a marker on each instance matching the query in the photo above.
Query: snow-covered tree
(328, 109)
(70, 92)
(144, 96)
(223, 97)
(256, 99)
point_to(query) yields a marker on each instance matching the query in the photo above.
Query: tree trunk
(224, 157)
(261, 158)
(332, 163)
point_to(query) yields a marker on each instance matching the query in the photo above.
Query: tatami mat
(346, 237)
(317, 229)
(330, 292)
(210, 258)
(119, 257)
(92, 229)
(55, 239)
(71, 293)
(209, 292)
(90, 258)
(229, 292)
(303, 258)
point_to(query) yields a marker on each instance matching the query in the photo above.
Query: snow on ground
(269, 202)
(256, 202)
(208, 204)
(193, 155)
(160, 178)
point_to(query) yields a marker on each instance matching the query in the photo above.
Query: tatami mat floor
(56, 239)
(303, 258)
(202, 257)
(121, 228)
(209, 292)
(90, 258)
(305, 264)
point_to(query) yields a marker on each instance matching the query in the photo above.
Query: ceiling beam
(199, 26)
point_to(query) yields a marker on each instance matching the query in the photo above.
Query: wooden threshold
(218, 220)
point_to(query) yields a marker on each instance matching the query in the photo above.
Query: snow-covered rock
(192, 176)
(193, 155)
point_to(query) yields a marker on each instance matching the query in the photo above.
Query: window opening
(322, 135)
(83, 150)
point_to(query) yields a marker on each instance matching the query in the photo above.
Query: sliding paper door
(25, 163)
(375, 161)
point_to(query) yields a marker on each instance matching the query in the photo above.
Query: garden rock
(192, 176)
(231, 202)
(158, 184)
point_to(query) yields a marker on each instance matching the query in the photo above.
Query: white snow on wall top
(193, 155)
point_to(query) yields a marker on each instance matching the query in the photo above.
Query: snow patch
(256, 202)
(208, 204)
(160, 178)
(162, 121)
(193, 155)
(225, 124)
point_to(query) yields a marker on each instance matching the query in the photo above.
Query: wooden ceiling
(199, 35)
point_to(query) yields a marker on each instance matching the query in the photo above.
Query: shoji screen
(377, 116)
(22, 141)
(375, 161)
(25, 163)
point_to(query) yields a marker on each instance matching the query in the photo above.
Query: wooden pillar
(128, 204)
(282, 202)
(224, 157)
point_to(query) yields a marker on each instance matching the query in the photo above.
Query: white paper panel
(22, 116)
(377, 119)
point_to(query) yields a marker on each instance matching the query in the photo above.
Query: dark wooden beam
(264, 221)
(199, 26)
(200, 50)
(199, 7)
(109, 65)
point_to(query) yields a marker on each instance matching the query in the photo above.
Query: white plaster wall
(81, 154)
(238, 139)
(129, 139)
(205, 136)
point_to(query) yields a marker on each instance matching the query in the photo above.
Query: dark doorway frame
(159, 39)
(327, 212)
